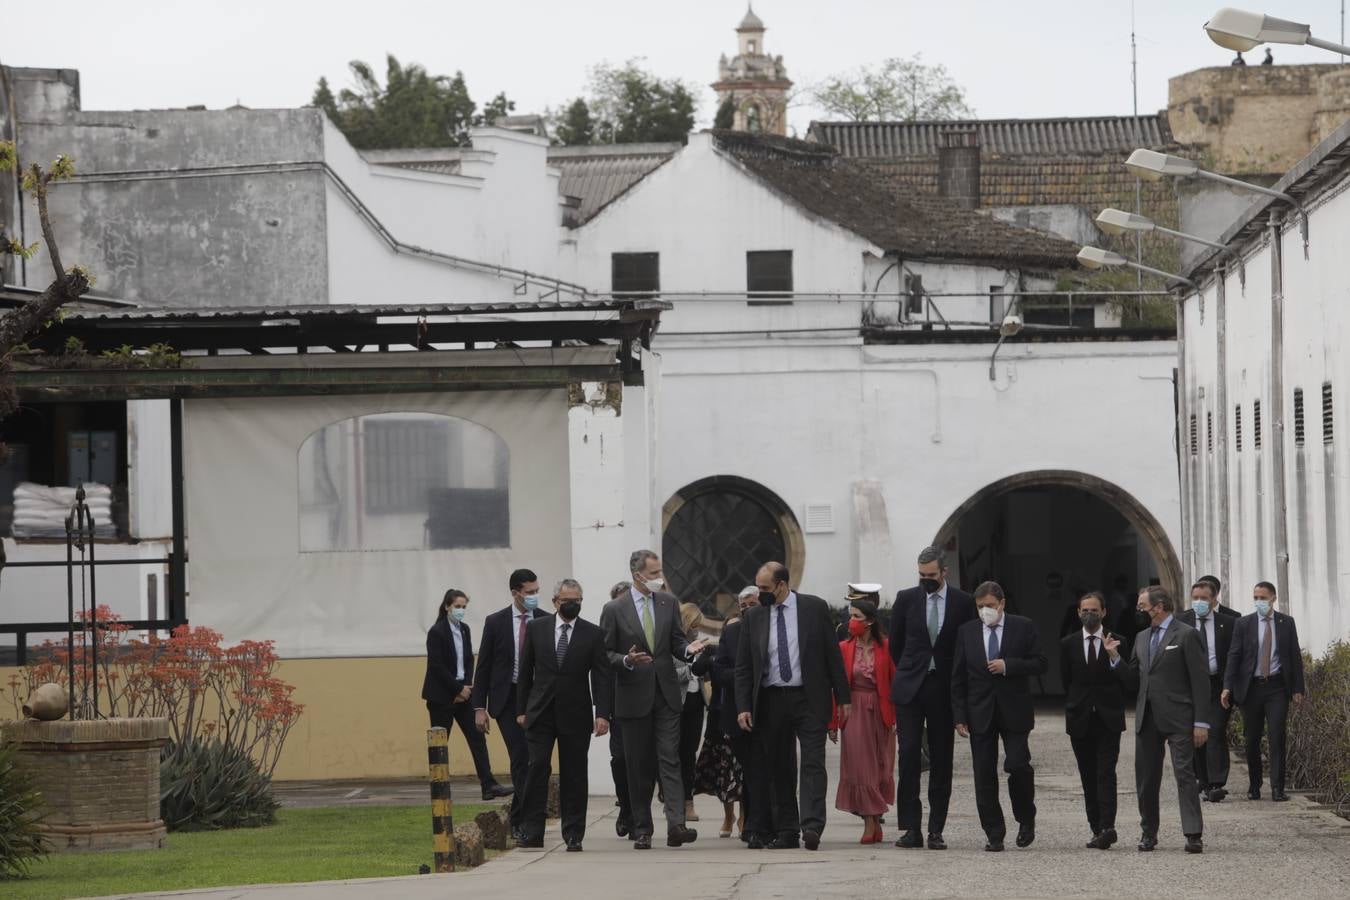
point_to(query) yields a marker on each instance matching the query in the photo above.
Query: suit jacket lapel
(1164, 642)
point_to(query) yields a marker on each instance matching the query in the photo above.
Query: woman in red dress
(867, 756)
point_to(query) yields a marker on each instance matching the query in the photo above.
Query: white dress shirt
(997, 630)
(772, 677)
(941, 607)
(1206, 625)
(457, 634)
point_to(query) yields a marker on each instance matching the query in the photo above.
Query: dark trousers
(1211, 762)
(1021, 779)
(1265, 710)
(618, 769)
(443, 716)
(691, 731)
(651, 749)
(1149, 744)
(1097, 753)
(931, 706)
(541, 737)
(782, 722)
(519, 752)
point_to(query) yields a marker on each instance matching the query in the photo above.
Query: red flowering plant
(208, 692)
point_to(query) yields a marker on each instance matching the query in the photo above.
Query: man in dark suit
(924, 622)
(1168, 668)
(494, 684)
(1094, 716)
(448, 685)
(643, 637)
(789, 675)
(1215, 628)
(618, 766)
(566, 687)
(995, 659)
(1265, 672)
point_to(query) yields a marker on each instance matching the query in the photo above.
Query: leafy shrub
(205, 785)
(20, 808)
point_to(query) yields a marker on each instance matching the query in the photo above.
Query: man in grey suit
(1168, 667)
(643, 637)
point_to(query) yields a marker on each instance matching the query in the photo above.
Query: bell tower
(754, 83)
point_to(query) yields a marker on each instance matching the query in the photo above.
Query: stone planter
(99, 779)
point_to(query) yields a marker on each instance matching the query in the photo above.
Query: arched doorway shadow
(1156, 542)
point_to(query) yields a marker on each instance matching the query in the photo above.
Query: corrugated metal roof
(597, 176)
(1010, 137)
(322, 311)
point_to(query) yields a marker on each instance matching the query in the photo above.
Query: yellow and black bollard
(442, 812)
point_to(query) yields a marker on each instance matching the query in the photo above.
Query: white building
(1266, 497)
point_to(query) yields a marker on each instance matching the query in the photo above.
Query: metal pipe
(178, 555)
(93, 602)
(1279, 195)
(1278, 493)
(1221, 391)
(1183, 447)
(70, 613)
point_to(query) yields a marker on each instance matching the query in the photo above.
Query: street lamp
(1151, 165)
(1118, 221)
(1097, 258)
(1236, 29)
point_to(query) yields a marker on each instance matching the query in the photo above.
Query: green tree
(907, 90)
(410, 109)
(726, 116)
(496, 108)
(574, 127)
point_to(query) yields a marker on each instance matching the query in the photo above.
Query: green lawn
(304, 845)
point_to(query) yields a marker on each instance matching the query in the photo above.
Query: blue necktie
(1153, 643)
(993, 643)
(784, 662)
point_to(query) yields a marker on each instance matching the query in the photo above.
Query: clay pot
(48, 703)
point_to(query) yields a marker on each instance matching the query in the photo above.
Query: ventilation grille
(819, 518)
(1237, 427)
(1328, 415)
(1195, 440)
(1209, 432)
(1298, 417)
(1256, 424)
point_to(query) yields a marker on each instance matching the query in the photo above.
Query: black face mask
(931, 585)
(1142, 619)
(767, 598)
(569, 609)
(1090, 620)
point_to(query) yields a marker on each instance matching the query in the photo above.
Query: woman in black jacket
(449, 680)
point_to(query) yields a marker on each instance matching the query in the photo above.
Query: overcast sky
(1015, 59)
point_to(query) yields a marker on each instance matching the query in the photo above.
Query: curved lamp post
(1118, 221)
(1097, 258)
(1237, 29)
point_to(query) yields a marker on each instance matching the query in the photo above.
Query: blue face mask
(1201, 608)
(530, 601)
(1263, 608)
(458, 613)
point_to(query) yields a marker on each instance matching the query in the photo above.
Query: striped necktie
(562, 644)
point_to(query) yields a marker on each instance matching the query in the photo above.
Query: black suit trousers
(691, 731)
(1021, 779)
(1097, 754)
(651, 751)
(519, 752)
(932, 706)
(442, 717)
(1211, 763)
(1266, 709)
(541, 737)
(618, 769)
(782, 721)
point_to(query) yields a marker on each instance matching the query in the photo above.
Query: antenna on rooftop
(1138, 182)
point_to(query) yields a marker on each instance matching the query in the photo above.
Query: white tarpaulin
(248, 575)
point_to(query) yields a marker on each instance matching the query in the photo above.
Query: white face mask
(654, 585)
(989, 614)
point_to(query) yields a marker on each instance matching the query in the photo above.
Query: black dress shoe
(1026, 834)
(1279, 796)
(755, 841)
(497, 790)
(1092, 843)
(531, 843)
(1147, 842)
(679, 835)
(1194, 844)
(1254, 794)
(574, 846)
(622, 827)
(642, 842)
(935, 841)
(994, 846)
(1106, 838)
(910, 840)
(1216, 794)
(787, 841)
(811, 839)
(517, 835)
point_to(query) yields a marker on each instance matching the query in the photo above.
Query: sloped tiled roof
(913, 225)
(597, 175)
(998, 137)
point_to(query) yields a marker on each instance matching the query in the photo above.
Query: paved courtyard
(1251, 849)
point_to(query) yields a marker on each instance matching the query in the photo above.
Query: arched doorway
(715, 534)
(1049, 536)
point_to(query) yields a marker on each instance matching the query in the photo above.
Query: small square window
(635, 276)
(768, 272)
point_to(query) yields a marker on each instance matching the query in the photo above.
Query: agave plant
(20, 809)
(208, 784)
